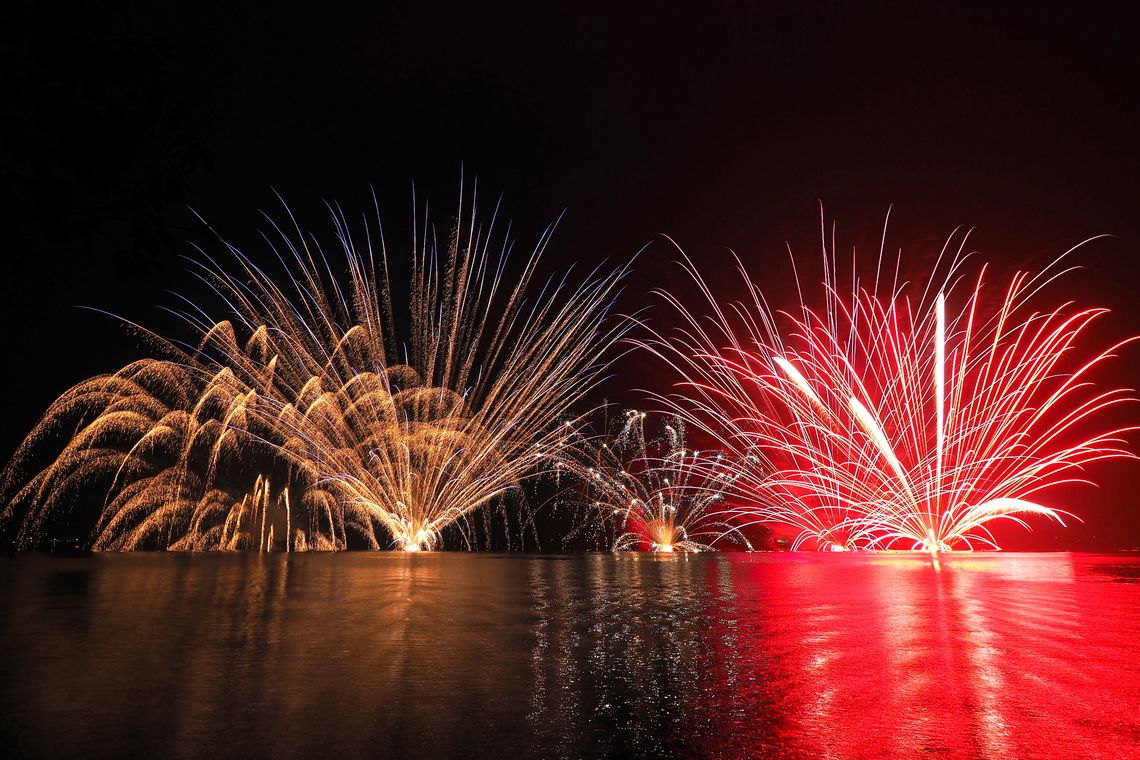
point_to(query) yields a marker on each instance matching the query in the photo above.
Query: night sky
(723, 128)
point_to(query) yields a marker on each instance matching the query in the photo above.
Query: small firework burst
(650, 493)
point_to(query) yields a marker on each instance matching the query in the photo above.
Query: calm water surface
(600, 655)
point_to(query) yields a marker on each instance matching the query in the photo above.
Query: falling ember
(375, 427)
(653, 493)
(899, 417)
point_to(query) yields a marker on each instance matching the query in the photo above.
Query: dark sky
(722, 127)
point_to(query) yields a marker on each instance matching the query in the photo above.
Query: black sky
(723, 127)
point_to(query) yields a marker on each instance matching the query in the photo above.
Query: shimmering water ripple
(459, 655)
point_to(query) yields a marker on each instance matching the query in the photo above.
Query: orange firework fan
(899, 416)
(314, 416)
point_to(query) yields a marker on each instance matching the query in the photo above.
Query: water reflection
(455, 655)
(617, 648)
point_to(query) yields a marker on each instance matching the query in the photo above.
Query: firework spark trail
(892, 420)
(364, 426)
(650, 492)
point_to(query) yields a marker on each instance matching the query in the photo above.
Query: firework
(898, 416)
(317, 413)
(651, 493)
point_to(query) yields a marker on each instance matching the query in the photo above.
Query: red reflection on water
(887, 655)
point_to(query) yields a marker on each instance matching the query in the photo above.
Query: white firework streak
(893, 417)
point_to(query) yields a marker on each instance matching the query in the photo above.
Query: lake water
(590, 655)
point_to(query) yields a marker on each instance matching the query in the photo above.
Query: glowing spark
(797, 377)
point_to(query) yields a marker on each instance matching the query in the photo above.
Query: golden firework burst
(320, 411)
